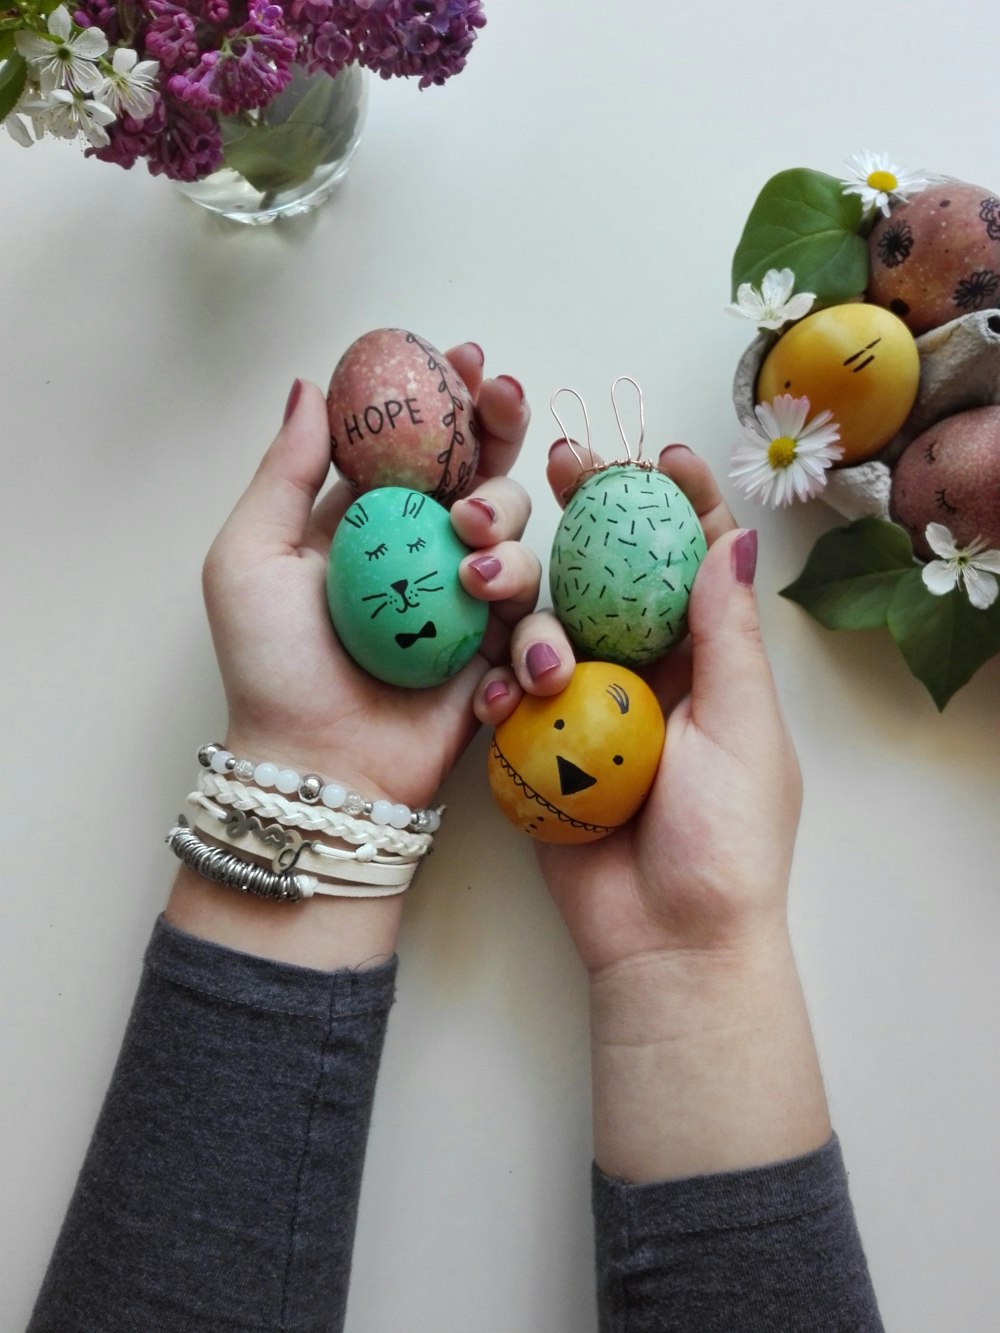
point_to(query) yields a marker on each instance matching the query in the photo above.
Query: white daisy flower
(782, 459)
(877, 180)
(129, 86)
(774, 305)
(973, 566)
(67, 62)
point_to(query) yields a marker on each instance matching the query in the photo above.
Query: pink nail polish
(495, 690)
(484, 505)
(293, 399)
(540, 659)
(744, 557)
(487, 567)
(561, 440)
(479, 352)
(515, 385)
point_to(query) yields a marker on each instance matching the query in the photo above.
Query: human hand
(294, 695)
(705, 863)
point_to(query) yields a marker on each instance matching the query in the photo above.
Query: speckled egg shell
(574, 767)
(859, 362)
(393, 589)
(937, 256)
(623, 561)
(951, 475)
(400, 415)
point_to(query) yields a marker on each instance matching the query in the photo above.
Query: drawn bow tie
(429, 631)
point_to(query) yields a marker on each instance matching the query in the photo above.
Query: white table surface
(571, 202)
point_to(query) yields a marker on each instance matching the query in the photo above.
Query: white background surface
(571, 202)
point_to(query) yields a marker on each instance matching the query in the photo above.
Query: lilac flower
(152, 80)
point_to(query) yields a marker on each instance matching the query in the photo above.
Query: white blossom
(129, 86)
(774, 305)
(973, 566)
(67, 62)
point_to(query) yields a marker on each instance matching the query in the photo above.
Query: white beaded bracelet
(312, 789)
(312, 819)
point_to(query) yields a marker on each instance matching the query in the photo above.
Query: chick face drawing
(859, 362)
(575, 767)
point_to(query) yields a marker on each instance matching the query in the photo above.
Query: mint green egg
(393, 590)
(623, 561)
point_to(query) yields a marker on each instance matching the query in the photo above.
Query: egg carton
(959, 369)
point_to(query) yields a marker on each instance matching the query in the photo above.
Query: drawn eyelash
(378, 552)
(418, 545)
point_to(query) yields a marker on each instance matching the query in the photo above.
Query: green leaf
(6, 46)
(945, 640)
(852, 574)
(802, 220)
(276, 157)
(13, 73)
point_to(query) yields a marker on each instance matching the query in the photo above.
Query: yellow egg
(859, 362)
(574, 767)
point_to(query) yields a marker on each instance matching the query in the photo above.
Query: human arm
(706, 1084)
(221, 1186)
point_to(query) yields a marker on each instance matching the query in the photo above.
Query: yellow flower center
(884, 181)
(781, 452)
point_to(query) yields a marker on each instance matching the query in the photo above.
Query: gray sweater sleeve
(219, 1193)
(770, 1250)
(220, 1190)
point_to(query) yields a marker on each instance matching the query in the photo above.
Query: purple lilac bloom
(223, 57)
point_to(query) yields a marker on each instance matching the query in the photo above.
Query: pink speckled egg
(951, 474)
(400, 415)
(937, 256)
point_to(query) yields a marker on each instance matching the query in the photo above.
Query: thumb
(731, 683)
(272, 515)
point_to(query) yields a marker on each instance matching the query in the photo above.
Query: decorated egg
(937, 256)
(393, 589)
(623, 561)
(576, 766)
(400, 415)
(951, 475)
(859, 362)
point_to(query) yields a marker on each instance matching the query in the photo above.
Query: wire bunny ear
(642, 418)
(584, 467)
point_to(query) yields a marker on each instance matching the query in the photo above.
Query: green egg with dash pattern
(623, 561)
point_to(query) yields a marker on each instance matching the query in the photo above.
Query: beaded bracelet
(312, 789)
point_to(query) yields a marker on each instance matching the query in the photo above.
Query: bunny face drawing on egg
(393, 589)
(574, 767)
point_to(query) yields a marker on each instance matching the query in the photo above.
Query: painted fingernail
(673, 448)
(293, 399)
(540, 659)
(515, 385)
(744, 555)
(479, 352)
(562, 440)
(495, 690)
(487, 567)
(484, 505)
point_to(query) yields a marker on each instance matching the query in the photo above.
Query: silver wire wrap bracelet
(223, 867)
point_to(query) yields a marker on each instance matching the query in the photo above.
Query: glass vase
(290, 156)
